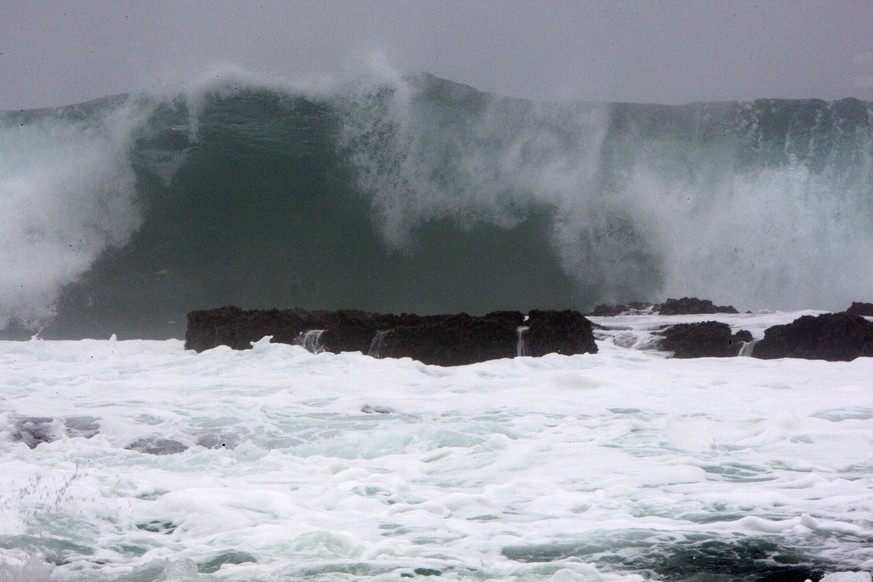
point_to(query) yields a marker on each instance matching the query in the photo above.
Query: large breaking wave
(419, 194)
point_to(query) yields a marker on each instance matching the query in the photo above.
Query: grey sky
(53, 53)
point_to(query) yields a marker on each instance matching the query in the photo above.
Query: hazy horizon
(57, 53)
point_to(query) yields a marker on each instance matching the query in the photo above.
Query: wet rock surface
(633, 308)
(692, 306)
(157, 446)
(859, 308)
(446, 340)
(703, 340)
(561, 332)
(36, 430)
(831, 336)
(683, 306)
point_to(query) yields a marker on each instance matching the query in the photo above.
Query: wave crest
(394, 193)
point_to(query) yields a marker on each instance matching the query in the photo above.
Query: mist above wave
(742, 201)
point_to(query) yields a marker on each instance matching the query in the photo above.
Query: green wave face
(424, 195)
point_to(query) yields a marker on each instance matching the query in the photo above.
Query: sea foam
(276, 463)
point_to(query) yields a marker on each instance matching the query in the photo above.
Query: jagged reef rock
(707, 339)
(836, 337)
(692, 306)
(858, 308)
(446, 340)
(633, 308)
(684, 306)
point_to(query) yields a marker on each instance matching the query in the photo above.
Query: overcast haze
(54, 53)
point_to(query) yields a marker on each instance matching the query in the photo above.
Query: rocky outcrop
(559, 332)
(707, 339)
(684, 306)
(344, 331)
(454, 340)
(692, 306)
(446, 340)
(836, 337)
(633, 308)
(858, 308)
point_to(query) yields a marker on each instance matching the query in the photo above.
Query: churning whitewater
(417, 194)
(137, 460)
(132, 459)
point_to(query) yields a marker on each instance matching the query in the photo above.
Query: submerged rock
(34, 430)
(157, 446)
(701, 559)
(707, 339)
(836, 337)
(82, 426)
(233, 557)
(446, 340)
(367, 409)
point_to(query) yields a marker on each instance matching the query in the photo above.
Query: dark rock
(608, 310)
(36, 430)
(836, 337)
(744, 335)
(218, 441)
(559, 332)
(229, 557)
(455, 340)
(708, 339)
(684, 306)
(158, 526)
(157, 446)
(367, 409)
(446, 340)
(859, 308)
(633, 308)
(692, 306)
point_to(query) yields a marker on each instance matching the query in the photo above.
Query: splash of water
(67, 190)
(310, 340)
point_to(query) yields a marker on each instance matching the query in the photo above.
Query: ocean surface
(416, 194)
(125, 458)
(138, 461)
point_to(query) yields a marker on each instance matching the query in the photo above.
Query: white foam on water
(275, 463)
